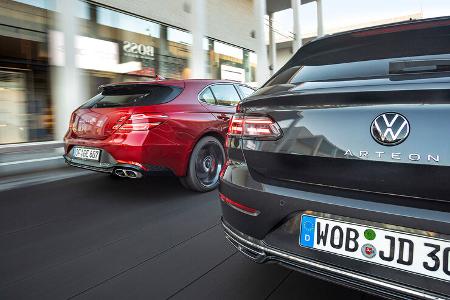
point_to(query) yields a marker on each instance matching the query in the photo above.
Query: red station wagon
(132, 129)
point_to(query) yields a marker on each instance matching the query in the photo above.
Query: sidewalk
(33, 163)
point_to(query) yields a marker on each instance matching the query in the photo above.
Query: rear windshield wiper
(419, 66)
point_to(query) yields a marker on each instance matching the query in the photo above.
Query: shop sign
(136, 50)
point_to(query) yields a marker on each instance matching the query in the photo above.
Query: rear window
(133, 95)
(377, 52)
(362, 69)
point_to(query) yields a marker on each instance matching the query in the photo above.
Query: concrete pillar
(247, 68)
(67, 89)
(297, 42)
(198, 59)
(163, 51)
(262, 70)
(272, 46)
(319, 18)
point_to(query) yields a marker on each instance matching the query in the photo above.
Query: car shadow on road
(150, 188)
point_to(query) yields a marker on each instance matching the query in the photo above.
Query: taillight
(236, 124)
(239, 207)
(72, 120)
(258, 127)
(139, 122)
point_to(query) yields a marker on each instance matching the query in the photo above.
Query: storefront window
(25, 106)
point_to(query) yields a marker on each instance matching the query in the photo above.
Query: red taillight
(139, 122)
(238, 206)
(72, 120)
(259, 127)
(236, 125)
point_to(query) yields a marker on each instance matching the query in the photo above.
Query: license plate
(413, 253)
(86, 153)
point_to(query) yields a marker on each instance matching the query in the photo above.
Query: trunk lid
(101, 116)
(337, 145)
(98, 123)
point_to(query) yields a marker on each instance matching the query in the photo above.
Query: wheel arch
(213, 133)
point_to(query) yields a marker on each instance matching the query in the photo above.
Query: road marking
(39, 179)
(29, 161)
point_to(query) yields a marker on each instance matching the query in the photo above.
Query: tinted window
(362, 69)
(133, 95)
(283, 77)
(207, 96)
(225, 94)
(246, 91)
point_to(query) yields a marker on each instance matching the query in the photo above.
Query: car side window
(246, 91)
(207, 96)
(225, 94)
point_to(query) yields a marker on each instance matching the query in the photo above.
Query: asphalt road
(93, 237)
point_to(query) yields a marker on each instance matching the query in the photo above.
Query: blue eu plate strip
(307, 231)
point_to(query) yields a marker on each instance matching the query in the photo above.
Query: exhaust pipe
(133, 174)
(127, 173)
(120, 172)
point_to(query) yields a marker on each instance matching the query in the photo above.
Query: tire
(206, 161)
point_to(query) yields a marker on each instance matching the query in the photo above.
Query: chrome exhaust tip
(120, 172)
(127, 173)
(133, 174)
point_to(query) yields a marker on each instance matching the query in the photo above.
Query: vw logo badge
(390, 129)
(369, 250)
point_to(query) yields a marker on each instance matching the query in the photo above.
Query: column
(272, 45)
(262, 70)
(297, 42)
(66, 79)
(163, 56)
(197, 63)
(319, 18)
(247, 67)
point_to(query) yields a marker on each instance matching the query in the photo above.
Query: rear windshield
(402, 49)
(133, 95)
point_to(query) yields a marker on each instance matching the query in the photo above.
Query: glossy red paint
(169, 144)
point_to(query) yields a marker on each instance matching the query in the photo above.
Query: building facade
(113, 41)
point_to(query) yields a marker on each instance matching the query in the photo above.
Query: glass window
(132, 95)
(126, 22)
(208, 97)
(225, 94)
(228, 50)
(362, 69)
(246, 91)
(284, 77)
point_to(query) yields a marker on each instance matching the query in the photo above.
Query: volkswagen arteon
(339, 166)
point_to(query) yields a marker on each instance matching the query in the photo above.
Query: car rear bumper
(260, 252)
(139, 151)
(273, 234)
(108, 164)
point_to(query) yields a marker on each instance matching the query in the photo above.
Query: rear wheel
(205, 165)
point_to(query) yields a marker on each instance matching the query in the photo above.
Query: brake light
(236, 125)
(258, 127)
(139, 122)
(238, 206)
(72, 120)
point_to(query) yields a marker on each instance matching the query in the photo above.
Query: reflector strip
(239, 207)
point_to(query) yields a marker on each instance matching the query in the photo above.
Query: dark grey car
(339, 166)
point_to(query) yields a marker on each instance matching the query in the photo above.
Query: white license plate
(86, 153)
(409, 252)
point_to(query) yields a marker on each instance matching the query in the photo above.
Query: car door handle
(223, 117)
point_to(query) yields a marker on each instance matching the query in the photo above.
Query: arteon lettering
(396, 156)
